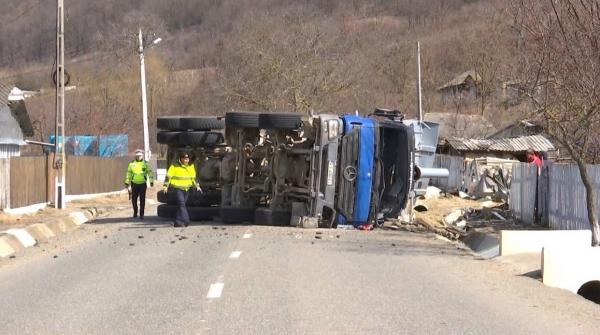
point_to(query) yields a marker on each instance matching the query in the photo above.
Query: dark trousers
(181, 214)
(138, 190)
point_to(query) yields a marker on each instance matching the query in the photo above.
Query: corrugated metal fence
(522, 192)
(561, 199)
(566, 197)
(9, 150)
(454, 164)
(4, 183)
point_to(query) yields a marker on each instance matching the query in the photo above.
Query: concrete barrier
(570, 268)
(514, 242)
(40, 232)
(485, 245)
(14, 240)
(6, 247)
(23, 236)
(78, 218)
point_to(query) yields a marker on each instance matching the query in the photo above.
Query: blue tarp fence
(101, 146)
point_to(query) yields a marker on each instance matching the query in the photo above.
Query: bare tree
(299, 69)
(561, 67)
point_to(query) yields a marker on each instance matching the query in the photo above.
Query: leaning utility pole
(59, 130)
(147, 152)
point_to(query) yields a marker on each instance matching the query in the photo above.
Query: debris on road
(432, 192)
(454, 216)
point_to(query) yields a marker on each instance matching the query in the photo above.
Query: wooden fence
(88, 175)
(28, 181)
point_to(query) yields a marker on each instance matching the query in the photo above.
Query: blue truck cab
(375, 169)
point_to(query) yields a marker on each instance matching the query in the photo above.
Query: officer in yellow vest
(181, 176)
(138, 174)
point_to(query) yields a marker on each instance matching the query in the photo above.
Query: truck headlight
(333, 128)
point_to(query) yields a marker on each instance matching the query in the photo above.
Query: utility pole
(147, 152)
(419, 97)
(59, 130)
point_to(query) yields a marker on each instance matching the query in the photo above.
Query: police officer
(181, 176)
(138, 174)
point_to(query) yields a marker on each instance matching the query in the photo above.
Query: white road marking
(247, 235)
(215, 290)
(235, 254)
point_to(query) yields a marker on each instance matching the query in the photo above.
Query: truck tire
(275, 217)
(206, 199)
(200, 138)
(237, 214)
(168, 123)
(164, 197)
(198, 213)
(242, 119)
(168, 137)
(201, 123)
(166, 211)
(280, 121)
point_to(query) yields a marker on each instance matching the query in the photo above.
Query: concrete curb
(17, 239)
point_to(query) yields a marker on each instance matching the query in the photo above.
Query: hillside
(334, 55)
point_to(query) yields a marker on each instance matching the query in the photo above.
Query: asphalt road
(118, 276)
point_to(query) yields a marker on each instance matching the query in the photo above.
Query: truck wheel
(201, 138)
(242, 119)
(202, 213)
(168, 137)
(207, 198)
(196, 199)
(164, 197)
(168, 122)
(201, 123)
(237, 214)
(166, 211)
(280, 121)
(281, 217)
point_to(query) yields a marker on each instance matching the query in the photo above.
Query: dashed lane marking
(247, 235)
(215, 290)
(235, 254)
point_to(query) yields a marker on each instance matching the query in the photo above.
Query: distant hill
(334, 55)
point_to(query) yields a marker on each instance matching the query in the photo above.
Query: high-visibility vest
(138, 172)
(181, 176)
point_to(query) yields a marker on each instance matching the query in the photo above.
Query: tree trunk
(591, 200)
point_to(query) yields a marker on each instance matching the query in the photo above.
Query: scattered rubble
(453, 216)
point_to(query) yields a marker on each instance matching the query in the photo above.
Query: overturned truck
(321, 170)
